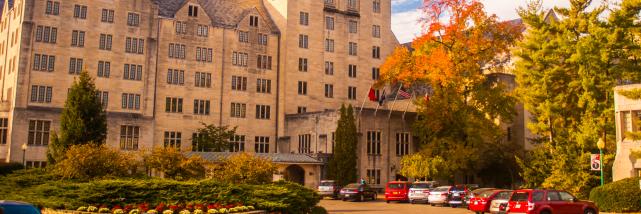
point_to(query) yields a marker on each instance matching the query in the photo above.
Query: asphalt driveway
(380, 207)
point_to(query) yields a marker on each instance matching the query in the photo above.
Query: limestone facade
(627, 116)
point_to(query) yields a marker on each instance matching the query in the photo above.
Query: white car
(439, 195)
(419, 191)
(501, 197)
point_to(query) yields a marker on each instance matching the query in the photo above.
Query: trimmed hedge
(7, 168)
(620, 196)
(44, 190)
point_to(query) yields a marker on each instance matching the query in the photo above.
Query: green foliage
(619, 196)
(634, 94)
(91, 161)
(319, 210)
(566, 70)
(213, 138)
(419, 166)
(245, 168)
(175, 164)
(7, 168)
(83, 119)
(342, 165)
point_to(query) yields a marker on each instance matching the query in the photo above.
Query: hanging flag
(372, 95)
(427, 98)
(381, 98)
(403, 94)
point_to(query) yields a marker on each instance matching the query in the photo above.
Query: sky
(405, 14)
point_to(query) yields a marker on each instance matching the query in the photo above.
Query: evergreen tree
(213, 138)
(83, 119)
(342, 165)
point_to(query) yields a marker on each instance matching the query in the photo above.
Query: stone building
(165, 66)
(627, 115)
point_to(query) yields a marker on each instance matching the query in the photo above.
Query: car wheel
(387, 201)
(362, 198)
(374, 197)
(589, 211)
(453, 206)
(344, 199)
(545, 212)
(433, 204)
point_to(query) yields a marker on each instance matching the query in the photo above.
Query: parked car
(356, 191)
(397, 191)
(439, 195)
(482, 199)
(548, 201)
(419, 191)
(456, 196)
(503, 208)
(16, 207)
(329, 188)
(501, 198)
(471, 193)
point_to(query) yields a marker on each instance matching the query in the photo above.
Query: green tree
(213, 138)
(174, 164)
(342, 165)
(245, 168)
(566, 70)
(83, 119)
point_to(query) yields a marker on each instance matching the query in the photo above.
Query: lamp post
(24, 151)
(601, 145)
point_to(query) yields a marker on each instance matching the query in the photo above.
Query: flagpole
(394, 102)
(363, 104)
(407, 106)
(382, 96)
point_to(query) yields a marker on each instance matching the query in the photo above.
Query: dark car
(548, 201)
(16, 207)
(456, 196)
(359, 192)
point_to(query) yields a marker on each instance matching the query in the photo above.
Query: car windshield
(503, 195)
(441, 189)
(396, 186)
(18, 209)
(457, 189)
(486, 193)
(327, 183)
(420, 186)
(520, 196)
(353, 186)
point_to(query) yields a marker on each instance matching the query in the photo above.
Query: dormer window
(253, 21)
(193, 11)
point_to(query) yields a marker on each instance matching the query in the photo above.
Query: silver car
(328, 188)
(439, 195)
(501, 197)
(419, 191)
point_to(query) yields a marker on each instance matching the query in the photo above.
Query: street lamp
(24, 151)
(601, 145)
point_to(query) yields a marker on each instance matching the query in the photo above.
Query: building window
(35, 164)
(203, 31)
(329, 90)
(77, 38)
(237, 143)
(177, 51)
(39, 132)
(193, 11)
(351, 92)
(303, 41)
(261, 144)
(131, 101)
(204, 54)
(627, 121)
(374, 176)
(195, 147)
(253, 21)
(4, 127)
(329, 45)
(134, 45)
(239, 59)
(132, 72)
(376, 31)
(173, 105)
(262, 39)
(53, 8)
(376, 6)
(302, 64)
(302, 88)
(107, 16)
(80, 11)
(75, 65)
(353, 49)
(243, 36)
(175, 77)
(264, 86)
(351, 4)
(104, 69)
(46, 34)
(238, 83)
(103, 97)
(373, 142)
(201, 107)
(133, 19)
(351, 71)
(43, 62)
(305, 144)
(181, 27)
(304, 18)
(105, 42)
(302, 109)
(329, 23)
(402, 143)
(202, 80)
(129, 137)
(376, 52)
(238, 110)
(376, 73)
(263, 112)
(329, 68)
(353, 26)
(264, 62)
(173, 139)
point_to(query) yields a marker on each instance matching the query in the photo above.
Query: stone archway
(295, 173)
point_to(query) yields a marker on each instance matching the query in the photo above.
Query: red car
(547, 202)
(481, 201)
(397, 191)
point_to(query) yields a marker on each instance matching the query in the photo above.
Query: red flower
(199, 206)
(173, 207)
(143, 207)
(211, 206)
(160, 207)
(228, 206)
(117, 207)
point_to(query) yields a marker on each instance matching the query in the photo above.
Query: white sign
(595, 162)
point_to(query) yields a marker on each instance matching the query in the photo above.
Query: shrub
(90, 161)
(8, 168)
(245, 168)
(619, 196)
(81, 209)
(175, 164)
(319, 210)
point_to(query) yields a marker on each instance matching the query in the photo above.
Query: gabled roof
(274, 157)
(551, 16)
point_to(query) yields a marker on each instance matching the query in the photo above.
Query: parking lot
(379, 206)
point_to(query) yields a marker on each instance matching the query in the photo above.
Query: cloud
(401, 2)
(405, 25)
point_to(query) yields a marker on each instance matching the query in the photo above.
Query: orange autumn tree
(460, 46)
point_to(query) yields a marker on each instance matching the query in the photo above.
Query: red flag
(427, 98)
(372, 95)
